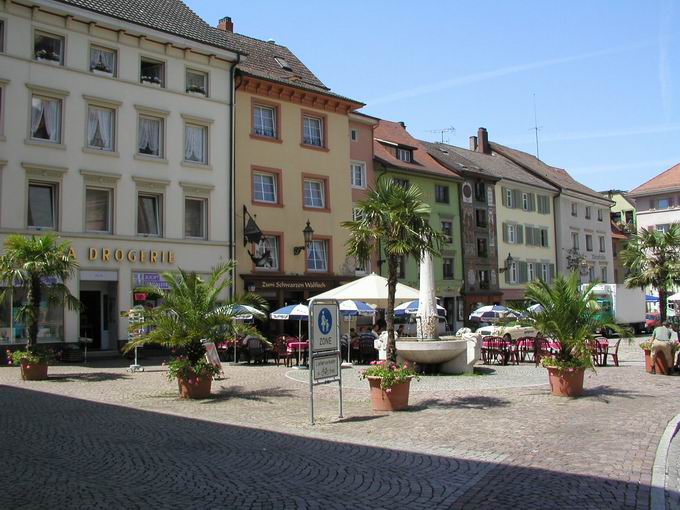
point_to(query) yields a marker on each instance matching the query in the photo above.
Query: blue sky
(602, 72)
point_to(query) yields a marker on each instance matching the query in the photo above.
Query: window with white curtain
(358, 175)
(100, 128)
(46, 119)
(48, 48)
(196, 82)
(195, 218)
(264, 121)
(313, 131)
(149, 214)
(98, 206)
(264, 188)
(42, 205)
(196, 144)
(317, 256)
(150, 136)
(314, 194)
(267, 254)
(102, 60)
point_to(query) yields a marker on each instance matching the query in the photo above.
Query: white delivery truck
(625, 306)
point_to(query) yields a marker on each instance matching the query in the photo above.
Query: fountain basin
(452, 354)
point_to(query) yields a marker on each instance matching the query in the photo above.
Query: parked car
(411, 328)
(652, 320)
(508, 331)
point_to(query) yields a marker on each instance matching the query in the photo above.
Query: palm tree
(40, 265)
(652, 258)
(570, 315)
(397, 218)
(192, 311)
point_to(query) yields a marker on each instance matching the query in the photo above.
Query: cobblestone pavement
(673, 474)
(98, 436)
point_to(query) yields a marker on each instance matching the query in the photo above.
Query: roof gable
(666, 181)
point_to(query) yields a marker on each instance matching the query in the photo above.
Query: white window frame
(589, 245)
(448, 238)
(604, 274)
(530, 272)
(109, 227)
(56, 204)
(509, 198)
(575, 241)
(545, 272)
(204, 216)
(603, 244)
(322, 193)
(206, 82)
(206, 145)
(275, 257)
(114, 128)
(589, 212)
(362, 166)
(600, 215)
(667, 202)
(309, 141)
(452, 276)
(354, 135)
(448, 193)
(512, 234)
(60, 102)
(61, 38)
(160, 197)
(404, 155)
(574, 209)
(273, 109)
(151, 60)
(161, 138)
(525, 201)
(356, 214)
(514, 273)
(274, 183)
(310, 249)
(114, 71)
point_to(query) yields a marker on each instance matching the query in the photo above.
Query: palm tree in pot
(38, 266)
(192, 310)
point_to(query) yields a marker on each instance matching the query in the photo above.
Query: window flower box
(48, 57)
(195, 90)
(154, 81)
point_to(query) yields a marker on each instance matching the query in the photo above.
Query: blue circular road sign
(325, 321)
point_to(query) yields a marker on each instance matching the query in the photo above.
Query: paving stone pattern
(97, 436)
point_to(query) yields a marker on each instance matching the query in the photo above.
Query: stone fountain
(450, 354)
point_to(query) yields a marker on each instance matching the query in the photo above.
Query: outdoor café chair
(367, 352)
(492, 349)
(613, 352)
(280, 351)
(255, 350)
(542, 348)
(526, 346)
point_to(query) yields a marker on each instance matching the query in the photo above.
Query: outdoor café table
(498, 347)
(299, 347)
(600, 351)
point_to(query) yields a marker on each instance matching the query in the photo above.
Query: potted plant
(190, 313)
(661, 365)
(38, 266)
(151, 80)
(46, 55)
(569, 315)
(101, 68)
(390, 383)
(196, 90)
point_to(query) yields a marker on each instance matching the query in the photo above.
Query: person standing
(661, 342)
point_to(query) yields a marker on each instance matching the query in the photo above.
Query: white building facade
(117, 136)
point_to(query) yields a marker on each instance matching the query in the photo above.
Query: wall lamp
(508, 263)
(308, 234)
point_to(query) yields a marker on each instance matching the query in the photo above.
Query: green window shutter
(523, 272)
(547, 204)
(504, 193)
(505, 232)
(530, 236)
(540, 206)
(532, 202)
(520, 234)
(507, 275)
(516, 199)
(551, 272)
(546, 237)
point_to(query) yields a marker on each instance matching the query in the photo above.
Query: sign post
(324, 348)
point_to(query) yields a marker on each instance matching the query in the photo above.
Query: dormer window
(48, 48)
(152, 72)
(405, 155)
(282, 62)
(197, 82)
(102, 61)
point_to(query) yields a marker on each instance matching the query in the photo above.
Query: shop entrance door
(90, 317)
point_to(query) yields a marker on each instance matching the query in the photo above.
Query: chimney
(401, 123)
(473, 143)
(226, 24)
(483, 138)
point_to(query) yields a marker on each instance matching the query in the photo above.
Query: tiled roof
(485, 165)
(170, 16)
(395, 133)
(554, 175)
(667, 180)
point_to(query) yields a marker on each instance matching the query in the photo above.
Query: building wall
(649, 214)
(70, 166)
(522, 252)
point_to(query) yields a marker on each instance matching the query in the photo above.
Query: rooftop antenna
(536, 128)
(442, 131)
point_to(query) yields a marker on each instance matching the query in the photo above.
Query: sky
(602, 74)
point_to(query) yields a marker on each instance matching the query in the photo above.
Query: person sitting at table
(376, 330)
(661, 342)
(400, 330)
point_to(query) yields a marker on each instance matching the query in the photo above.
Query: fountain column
(426, 317)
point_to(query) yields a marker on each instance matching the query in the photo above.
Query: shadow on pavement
(88, 377)
(603, 391)
(232, 392)
(470, 402)
(68, 453)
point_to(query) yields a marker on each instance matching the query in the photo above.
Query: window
(543, 204)
(602, 244)
(196, 144)
(150, 136)
(98, 206)
(509, 198)
(102, 61)
(264, 121)
(402, 267)
(589, 242)
(480, 192)
(525, 201)
(314, 194)
(100, 128)
(405, 155)
(358, 175)
(603, 274)
(354, 135)
(317, 256)
(46, 119)
(574, 240)
(512, 231)
(312, 131)
(663, 228)
(574, 209)
(544, 272)
(482, 247)
(195, 218)
(149, 214)
(447, 230)
(588, 212)
(663, 203)
(544, 238)
(356, 214)
(267, 254)
(283, 63)
(196, 82)
(483, 277)
(265, 188)
(441, 194)
(530, 272)
(404, 183)
(481, 218)
(152, 72)
(591, 274)
(48, 48)
(2, 109)
(447, 267)
(42, 205)
(2, 35)
(513, 277)
(600, 215)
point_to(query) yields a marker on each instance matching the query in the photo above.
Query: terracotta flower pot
(391, 399)
(34, 371)
(566, 383)
(195, 386)
(660, 365)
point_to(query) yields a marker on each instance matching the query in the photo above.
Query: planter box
(151, 83)
(394, 400)
(660, 365)
(198, 94)
(566, 383)
(34, 371)
(48, 61)
(102, 73)
(195, 387)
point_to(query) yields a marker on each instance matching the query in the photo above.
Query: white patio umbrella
(298, 312)
(371, 289)
(411, 307)
(353, 308)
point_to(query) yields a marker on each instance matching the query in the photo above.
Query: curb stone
(657, 497)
